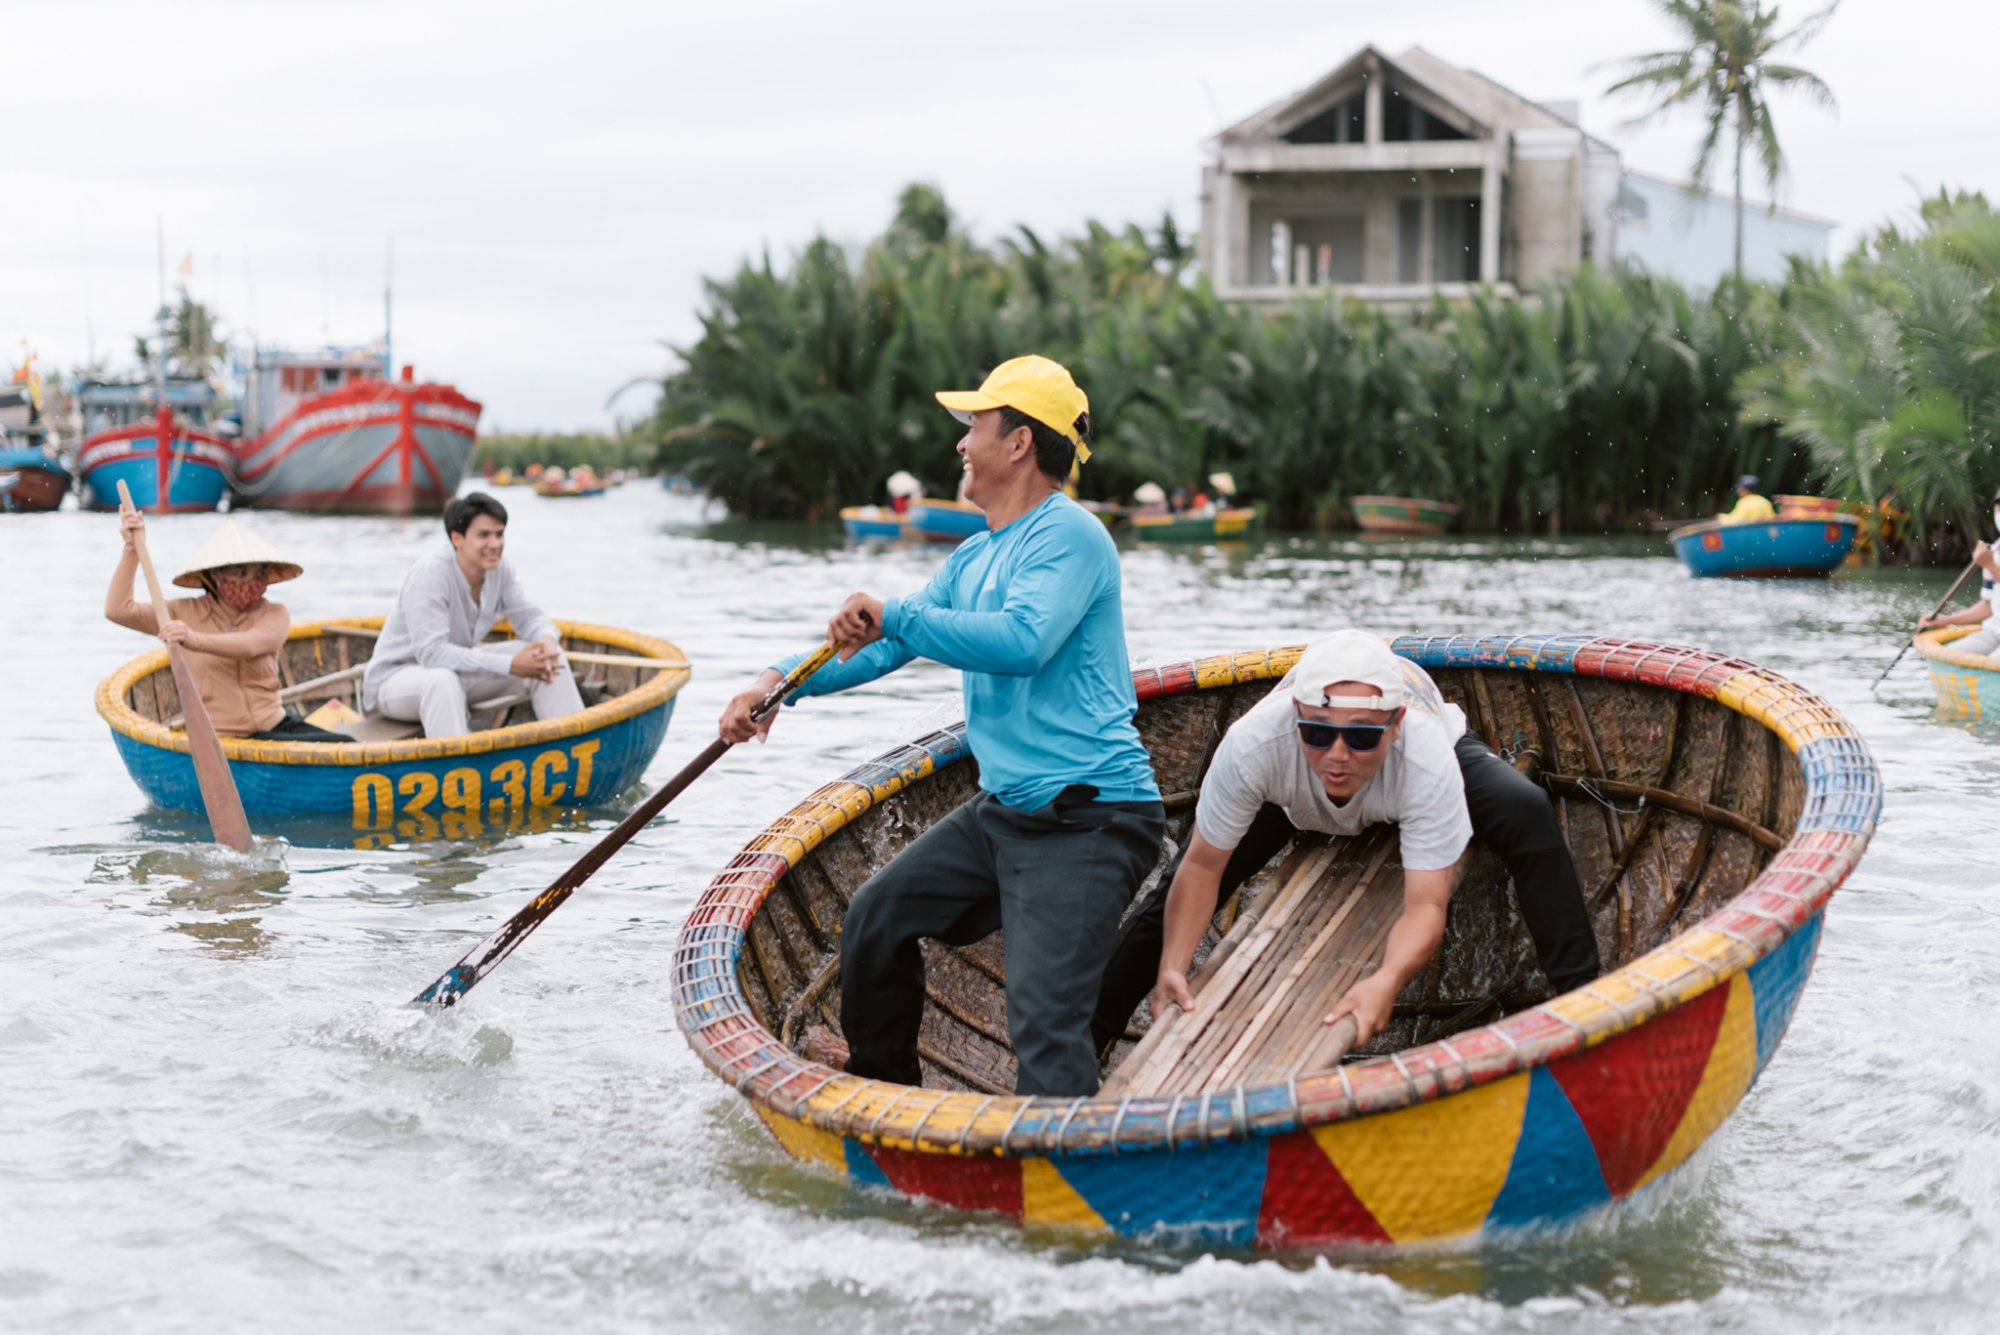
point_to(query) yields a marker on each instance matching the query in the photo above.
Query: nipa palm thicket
(1595, 403)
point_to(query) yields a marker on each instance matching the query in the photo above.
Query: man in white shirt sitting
(432, 662)
(1354, 736)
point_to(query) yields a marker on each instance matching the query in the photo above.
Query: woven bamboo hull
(1407, 515)
(419, 788)
(1566, 1104)
(1223, 525)
(1968, 685)
(1769, 548)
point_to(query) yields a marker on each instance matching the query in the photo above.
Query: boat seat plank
(1260, 998)
(380, 728)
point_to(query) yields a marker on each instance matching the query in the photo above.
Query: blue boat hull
(936, 521)
(1769, 548)
(1967, 684)
(871, 523)
(196, 478)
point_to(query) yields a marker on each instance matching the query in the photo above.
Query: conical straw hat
(1149, 493)
(1223, 483)
(235, 545)
(903, 484)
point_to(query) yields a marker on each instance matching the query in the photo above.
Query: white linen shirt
(435, 623)
(1419, 787)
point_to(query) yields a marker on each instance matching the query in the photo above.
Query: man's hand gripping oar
(482, 958)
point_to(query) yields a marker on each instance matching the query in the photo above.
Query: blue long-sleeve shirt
(1033, 616)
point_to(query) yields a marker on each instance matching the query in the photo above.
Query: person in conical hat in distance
(1068, 820)
(1354, 736)
(433, 664)
(232, 633)
(1986, 612)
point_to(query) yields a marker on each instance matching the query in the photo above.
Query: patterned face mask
(240, 587)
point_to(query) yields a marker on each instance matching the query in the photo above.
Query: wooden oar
(211, 768)
(1934, 611)
(482, 958)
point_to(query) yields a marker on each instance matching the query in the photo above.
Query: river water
(220, 1116)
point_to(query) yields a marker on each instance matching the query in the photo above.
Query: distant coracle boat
(1770, 548)
(944, 521)
(1241, 522)
(167, 456)
(1713, 807)
(1409, 516)
(395, 782)
(873, 523)
(329, 431)
(1968, 685)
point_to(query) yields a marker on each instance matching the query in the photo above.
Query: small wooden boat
(1806, 507)
(1768, 548)
(1409, 516)
(934, 520)
(31, 479)
(1961, 679)
(871, 523)
(1223, 525)
(1712, 806)
(392, 782)
(570, 486)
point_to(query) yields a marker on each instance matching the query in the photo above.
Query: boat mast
(160, 347)
(388, 325)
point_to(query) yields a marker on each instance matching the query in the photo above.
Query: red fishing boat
(331, 431)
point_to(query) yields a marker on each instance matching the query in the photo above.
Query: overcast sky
(559, 176)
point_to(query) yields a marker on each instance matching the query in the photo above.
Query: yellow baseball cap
(1034, 385)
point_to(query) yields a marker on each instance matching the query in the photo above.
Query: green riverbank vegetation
(1604, 402)
(516, 450)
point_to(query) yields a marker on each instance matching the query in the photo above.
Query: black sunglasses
(1358, 736)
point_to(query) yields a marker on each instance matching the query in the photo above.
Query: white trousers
(440, 698)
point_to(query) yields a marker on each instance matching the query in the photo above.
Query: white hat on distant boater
(235, 545)
(1223, 482)
(901, 483)
(1148, 493)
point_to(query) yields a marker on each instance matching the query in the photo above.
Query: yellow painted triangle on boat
(1431, 1170)
(804, 1141)
(1048, 1198)
(1732, 1063)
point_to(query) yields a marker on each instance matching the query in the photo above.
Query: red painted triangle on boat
(1307, 1201)
(1631, 1092)
(962, 1181)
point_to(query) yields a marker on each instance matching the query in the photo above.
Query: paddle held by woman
(211, 769)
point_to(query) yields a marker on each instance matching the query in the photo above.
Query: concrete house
(1395, 178)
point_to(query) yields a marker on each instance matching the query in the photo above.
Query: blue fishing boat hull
(945, 521)
(1769, 548)
(184, 471)
(871, 523)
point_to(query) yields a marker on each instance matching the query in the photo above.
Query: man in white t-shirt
(1354, 736)
(1986, 612)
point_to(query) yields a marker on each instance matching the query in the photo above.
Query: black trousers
(1053, 881)
(1510, 815)
(291, 729)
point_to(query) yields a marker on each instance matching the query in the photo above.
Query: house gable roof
(1486, 104)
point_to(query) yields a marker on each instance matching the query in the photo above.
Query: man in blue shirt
(1069, 821)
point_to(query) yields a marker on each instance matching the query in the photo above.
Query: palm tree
(1726, 69)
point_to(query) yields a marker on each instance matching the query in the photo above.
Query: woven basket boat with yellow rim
(1968, 685)
(417, 785)
(1712, 808)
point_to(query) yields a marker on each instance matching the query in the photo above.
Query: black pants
(291, 729)
(1510, 815)
(1053, 880)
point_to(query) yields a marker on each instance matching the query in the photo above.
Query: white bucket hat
(901, 483)
(1348, 655)
(235, 545)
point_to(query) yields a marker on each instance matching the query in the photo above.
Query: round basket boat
(1487, 1105)
(412, 787)
(1771, 548)
(1962, 679)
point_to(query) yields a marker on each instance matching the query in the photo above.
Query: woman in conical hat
(232, 633)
